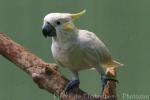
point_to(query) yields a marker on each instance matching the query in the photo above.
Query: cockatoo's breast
(72, 56)
(83, 52)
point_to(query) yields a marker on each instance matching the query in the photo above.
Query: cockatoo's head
(55, 23)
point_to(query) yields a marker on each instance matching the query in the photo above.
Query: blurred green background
(123, 25)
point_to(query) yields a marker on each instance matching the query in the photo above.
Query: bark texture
(46, 75)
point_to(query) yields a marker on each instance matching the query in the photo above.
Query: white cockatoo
(76, 49)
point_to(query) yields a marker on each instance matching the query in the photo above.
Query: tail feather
(117, 64)
(113, 63)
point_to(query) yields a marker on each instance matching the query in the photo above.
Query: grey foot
(105, 79)
(71, 84)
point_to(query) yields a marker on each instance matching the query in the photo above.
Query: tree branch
(45, 75)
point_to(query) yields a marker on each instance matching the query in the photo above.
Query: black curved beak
(48, 30)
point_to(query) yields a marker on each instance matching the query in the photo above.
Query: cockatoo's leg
(73, 82)
(104, 77)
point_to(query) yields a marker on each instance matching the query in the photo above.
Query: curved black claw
(71, 84)
(106, 78)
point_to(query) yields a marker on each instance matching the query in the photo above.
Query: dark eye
(48, 23)
(58, 22)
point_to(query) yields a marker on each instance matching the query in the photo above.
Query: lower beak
(48, 30)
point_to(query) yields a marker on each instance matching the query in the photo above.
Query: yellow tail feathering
(113, 63)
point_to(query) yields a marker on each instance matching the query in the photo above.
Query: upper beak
(48, 30)
(77, 15)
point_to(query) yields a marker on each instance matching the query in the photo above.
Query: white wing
(94, 47)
